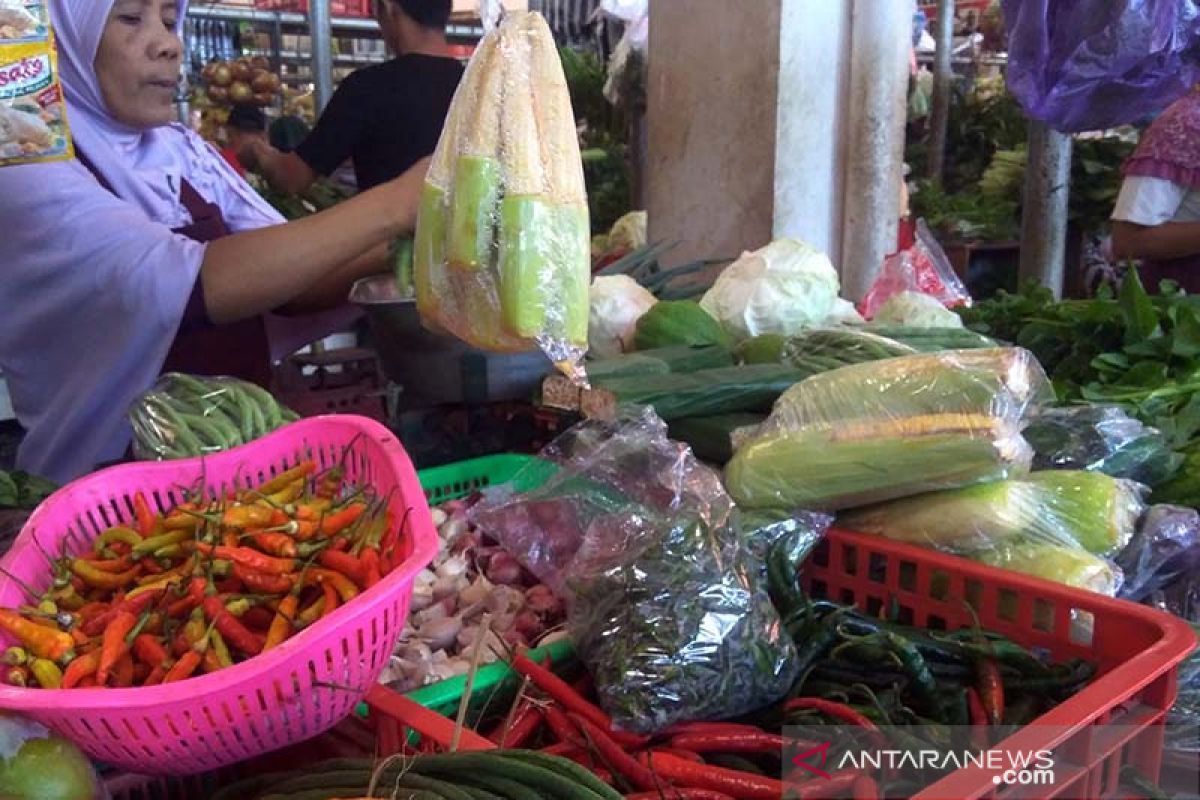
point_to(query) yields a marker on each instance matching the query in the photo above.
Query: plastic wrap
(1055, 525)
(921, 268)
(1162, 562)
(666, 606)
(33, 119)
(503, 244)
(888, 429)
(185, 416)
(1093, 64)
(1101, 439)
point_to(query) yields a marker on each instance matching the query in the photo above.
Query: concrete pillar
(943, 78)
(810, 136)
(770, 118)
(880, 44)
(321, 29)
(711, 90)
(1044, 209)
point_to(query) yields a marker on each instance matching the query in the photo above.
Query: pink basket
(293, 692)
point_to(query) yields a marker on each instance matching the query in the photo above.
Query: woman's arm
(1163, 242)
(286, 172)
(332, 289)
(253, 272)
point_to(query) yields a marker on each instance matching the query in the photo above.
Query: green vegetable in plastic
(37, 765)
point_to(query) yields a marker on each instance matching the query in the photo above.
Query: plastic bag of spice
(33, 122)
(667, 606)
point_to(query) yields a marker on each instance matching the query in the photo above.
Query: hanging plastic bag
(1162, 562)
(1094, 64)
(665, 601)
(1101, 439)
(922, 268)
(502, 256)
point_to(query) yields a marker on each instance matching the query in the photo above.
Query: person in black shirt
(386, 117)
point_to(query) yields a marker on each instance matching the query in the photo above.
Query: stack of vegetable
(203, 585)
(185, 416)
(470, 579)
(502, 252)
(881, 430)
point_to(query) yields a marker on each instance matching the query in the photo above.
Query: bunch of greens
(23, 491)
(1136, 351)
(603, 135)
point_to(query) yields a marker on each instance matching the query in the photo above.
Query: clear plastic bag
(502, 255)
(666, 604)
(1100, 439)
(922, 268)
(1068, 508)
(185, 416)
(887, 429)
(1094, 64)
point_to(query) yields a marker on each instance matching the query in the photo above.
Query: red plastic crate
(339, 8)
(1137, 649)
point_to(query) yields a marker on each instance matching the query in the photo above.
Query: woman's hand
(250, 273)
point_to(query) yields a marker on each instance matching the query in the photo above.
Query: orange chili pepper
(345, 587)
(145, 517)
(84, 666)
(109, 564)
(42, 641)
(98, 579)
(250, 558)
(288, 477)
(285, 618)
(314, 612)
(114, 645)
(330, 597)
(247, 517)
(157, 674)
(344, 563)
(371, 566)
(275, 543)
(338, 521)
(230, 539)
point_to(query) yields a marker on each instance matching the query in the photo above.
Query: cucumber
(625, 366)
(711, 438)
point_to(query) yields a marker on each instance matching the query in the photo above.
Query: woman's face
(137, 64)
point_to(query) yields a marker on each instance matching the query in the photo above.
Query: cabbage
(629, 232)
(844, 313)
(783, 288)
(916, 310)
(617, 303)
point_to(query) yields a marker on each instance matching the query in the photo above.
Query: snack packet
(33, 119)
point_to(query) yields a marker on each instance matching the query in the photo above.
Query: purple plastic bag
(1081, 65)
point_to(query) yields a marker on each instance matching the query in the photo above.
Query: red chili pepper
(686, 755)
(975, 707)
(834, 787)
(572, 701)
(710, 727)
(391, 537)
(262, 582)
(991, 689)
(757, 742)
(563, 749)
(830, 708)
(341, 544)
(371, 567)
(184, 667)
(615, 756)
(94, 626)
(561, 726)
(742, 785)
(250, 558)
(150, 650)
(675, 793)
(230, 627)
(156, 675)
(525, 722)
(145, 517)
(258, 618)
(151, 567)
(114, 645)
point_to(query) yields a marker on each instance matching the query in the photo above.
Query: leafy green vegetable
(22, 490)
(1137, 351)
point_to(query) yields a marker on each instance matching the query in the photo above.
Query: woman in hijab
(148, 253)
(1157, 216)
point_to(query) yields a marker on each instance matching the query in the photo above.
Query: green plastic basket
(496, 683)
